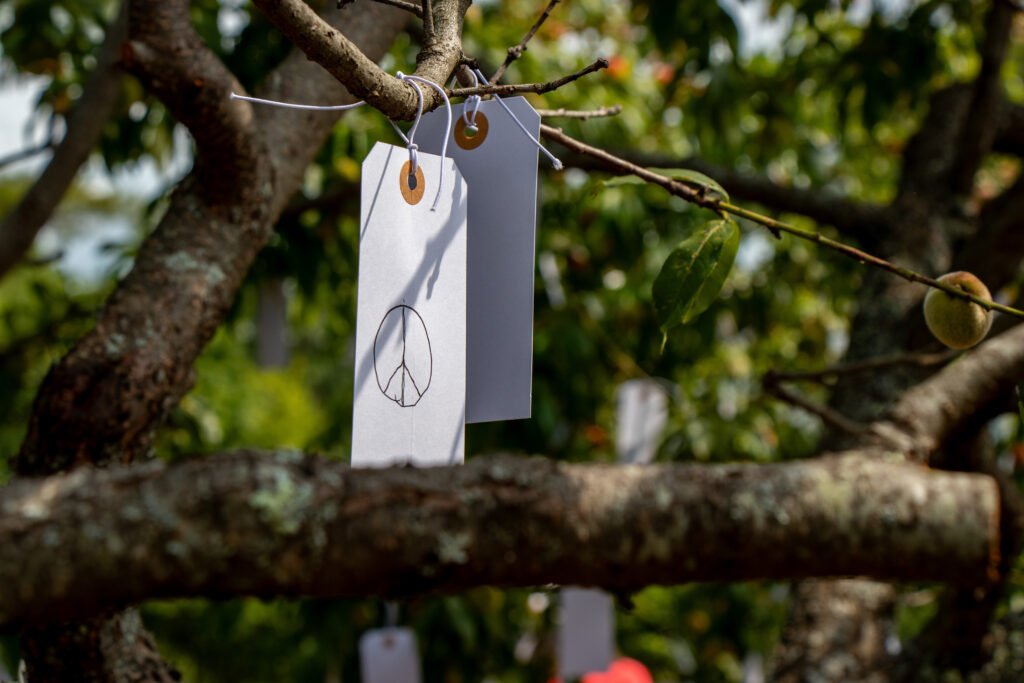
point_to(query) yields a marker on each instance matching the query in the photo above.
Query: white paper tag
(389, 655)
(641, 412)
(410, 366)
(586, 632)
(500, 167)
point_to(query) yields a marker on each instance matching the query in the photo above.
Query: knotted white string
(416, 123)
(479, 77)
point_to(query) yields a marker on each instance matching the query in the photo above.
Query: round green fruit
(958, 323)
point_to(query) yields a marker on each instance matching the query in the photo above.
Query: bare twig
(871, 364)
(15, 157)
(516, 52)
(576, 114)
(402, 4)
(536, 88)
(828, 415)
(701, 197)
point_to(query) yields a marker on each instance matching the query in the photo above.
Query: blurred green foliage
(828, 101)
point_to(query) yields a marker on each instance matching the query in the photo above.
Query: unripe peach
(958, 323)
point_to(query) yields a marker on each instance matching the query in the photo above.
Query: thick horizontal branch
(328, 47)
(249, 524)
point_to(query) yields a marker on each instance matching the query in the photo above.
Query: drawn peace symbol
(402, 359)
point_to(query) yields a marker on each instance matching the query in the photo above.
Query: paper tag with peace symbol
(410, 365)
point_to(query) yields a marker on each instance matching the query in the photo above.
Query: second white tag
(499, 164)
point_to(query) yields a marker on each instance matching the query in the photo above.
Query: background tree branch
(861, 220)
(84, 125)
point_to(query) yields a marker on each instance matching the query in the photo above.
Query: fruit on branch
(958, 323)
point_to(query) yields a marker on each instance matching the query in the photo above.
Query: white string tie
(478, 75)
(308, 107)
(415, 124)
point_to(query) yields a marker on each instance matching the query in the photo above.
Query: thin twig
(402, 4)
(918, 359)
(576, 114)
(516, 52)
(537, 88)
(827, 415)
(709, 200)
(428, 23)
(25, 153)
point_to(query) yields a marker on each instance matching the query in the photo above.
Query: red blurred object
(624, 670)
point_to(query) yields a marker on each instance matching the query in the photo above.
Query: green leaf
(683, 175)
(619, 181)
(691, 177)
(694, 273)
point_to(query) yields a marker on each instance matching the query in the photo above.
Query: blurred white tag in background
(389, 655)
(586, 632)
(410, 366)
(641, 413)
(499, 164)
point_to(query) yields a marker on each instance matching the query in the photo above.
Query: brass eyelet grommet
(466, 142)
(412, 195)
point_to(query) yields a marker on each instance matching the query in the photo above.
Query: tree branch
(997, 246)
(979, 129)
(516, 52)
(245, 524)
(563, 113)
(400, 4)
(858, 219)
(926, 415)
(1010, 130)
(833, 418)
(536, 88)
(84, 126)
(704, 198)
(358, 73)
(21, 154)
(868, 365)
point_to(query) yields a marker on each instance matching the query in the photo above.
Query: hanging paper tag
(410, 366)
(586, 632)
(499, 164)
(641, 412)
(388, 655)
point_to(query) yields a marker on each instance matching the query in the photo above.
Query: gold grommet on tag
(412, 187)
(471, 142)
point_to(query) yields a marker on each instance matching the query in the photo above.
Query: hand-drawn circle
(412, 195)
(466, 142)
(402, 358)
